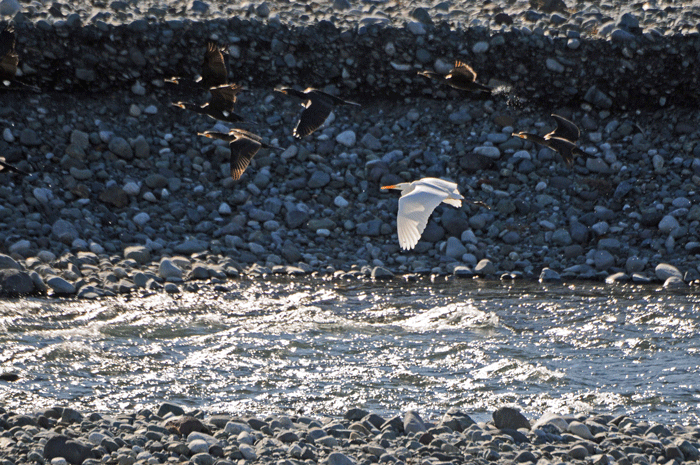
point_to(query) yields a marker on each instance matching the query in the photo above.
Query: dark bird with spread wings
(214, 70)
(562, 140)
(243, 145)
(8, 55)
(318, 106)
(461, 77)
(220, 106)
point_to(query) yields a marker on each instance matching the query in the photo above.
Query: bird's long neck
(189, 106)
(296, 93)
(222, 136)
(432, 75)
(531, 137)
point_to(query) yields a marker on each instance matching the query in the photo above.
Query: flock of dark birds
(245, 144)
(317, 105)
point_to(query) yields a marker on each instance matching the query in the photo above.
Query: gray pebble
(121, 148)
(664, 271)
(168, 270)
(60, 286)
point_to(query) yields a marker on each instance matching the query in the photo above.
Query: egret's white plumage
(418, 200)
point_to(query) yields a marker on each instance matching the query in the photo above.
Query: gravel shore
(124, 196)
(63, 435)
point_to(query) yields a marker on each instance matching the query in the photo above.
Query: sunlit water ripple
(322, 347)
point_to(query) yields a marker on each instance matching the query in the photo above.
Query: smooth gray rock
(296, 218)
(603, 259)
(413, 423)
(60, 286)
(674, 282)
(9, 263)
(549, 275)
(167, 269)
(454, 248)
(139, 253)
(64, 231)
(561, 237)
(15, 282)
(379, 272)
(619, 277)
(581, 430)
(510, 418)
(635, 264)
(664, 271)
(319, 179)
(168, 407)
(485, 267)
(74, 451)
(121, 148)
(248, 452)
(668, 224)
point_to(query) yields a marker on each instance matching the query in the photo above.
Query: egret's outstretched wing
(442, 184)
(415, 208)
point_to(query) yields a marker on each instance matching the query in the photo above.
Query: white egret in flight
(418, 200)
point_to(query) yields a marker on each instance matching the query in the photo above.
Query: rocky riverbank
(63, 435)
(124, 196)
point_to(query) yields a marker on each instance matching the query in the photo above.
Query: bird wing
(214, 71)
(443, 184)
(224, 97)
(8, 56)
(248, 134)
(8, 65)
(243, 150)
(565, 129)
(564, 147)
(312, 117)
(7, 40)
(462, 71)
(415, 208)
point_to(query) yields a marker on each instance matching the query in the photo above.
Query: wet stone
(510, 418)
(15, 282)
(167, 269)
(664, 271)
(60, 286)
(121, 148)
(29, 137)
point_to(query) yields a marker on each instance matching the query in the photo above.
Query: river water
(315, 346)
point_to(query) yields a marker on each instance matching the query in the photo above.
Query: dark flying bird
(562, 139)
(9, 61)
(461, 77)
(220, 106)
(214, 69)
(318, 106)
(8, 55)
(243, 144)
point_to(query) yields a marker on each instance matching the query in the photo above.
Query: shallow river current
(322, 347)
